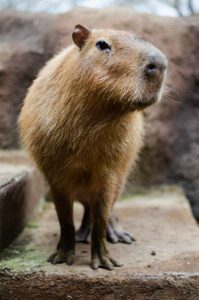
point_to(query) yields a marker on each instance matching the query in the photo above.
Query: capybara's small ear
(80, 35)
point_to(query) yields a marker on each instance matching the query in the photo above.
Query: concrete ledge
(38, 285)
(162, 264)
(20, 192)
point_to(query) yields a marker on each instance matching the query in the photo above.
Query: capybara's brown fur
(82, 124)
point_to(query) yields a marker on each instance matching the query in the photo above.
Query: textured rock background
(171, 152)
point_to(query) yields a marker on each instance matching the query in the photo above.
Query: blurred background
(159, 7)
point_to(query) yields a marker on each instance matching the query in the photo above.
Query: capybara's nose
(155, 66)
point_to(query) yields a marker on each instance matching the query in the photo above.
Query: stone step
(20, 191)
(162, 264)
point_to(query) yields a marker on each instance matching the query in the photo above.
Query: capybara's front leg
(100, 256)
(66, 245)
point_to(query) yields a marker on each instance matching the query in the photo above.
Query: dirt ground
(163, 261)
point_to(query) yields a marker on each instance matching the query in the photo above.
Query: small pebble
(148, 266)
(153, 253)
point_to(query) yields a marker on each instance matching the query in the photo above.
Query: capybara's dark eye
(103, 46)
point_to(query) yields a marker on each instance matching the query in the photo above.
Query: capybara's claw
(61, 256)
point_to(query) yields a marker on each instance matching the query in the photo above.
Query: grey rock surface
(161, 221)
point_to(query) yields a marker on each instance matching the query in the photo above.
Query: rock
(24, 48)
(161, 221)
(171, 151)
(20, 192)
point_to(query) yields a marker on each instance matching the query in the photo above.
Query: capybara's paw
(115, 233)
(105, 262)
(101, 257)
(61, 256)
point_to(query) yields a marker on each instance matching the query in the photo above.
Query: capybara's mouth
(143, 103)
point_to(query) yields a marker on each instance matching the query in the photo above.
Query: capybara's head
(119, 68)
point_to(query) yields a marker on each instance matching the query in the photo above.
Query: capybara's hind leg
(114, 233)
(82, 234)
